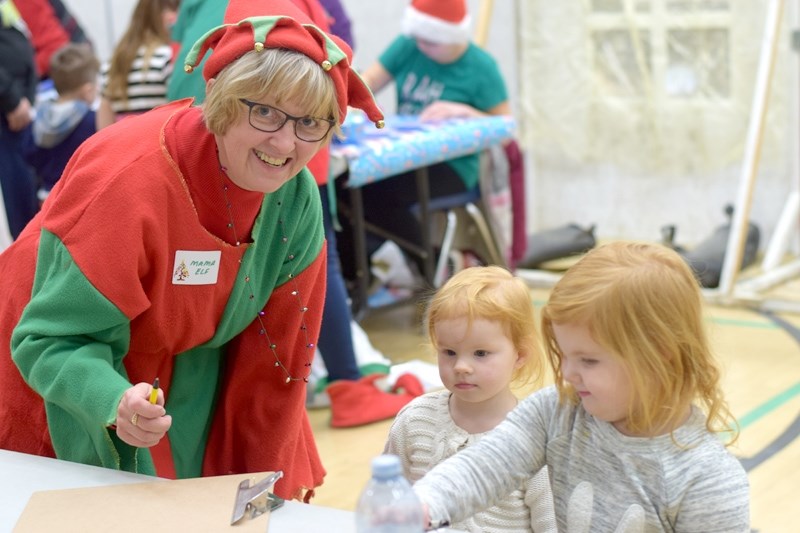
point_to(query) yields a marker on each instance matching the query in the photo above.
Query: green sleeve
(195, 17)
(69, 345)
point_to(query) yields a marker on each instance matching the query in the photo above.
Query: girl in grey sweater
(631, 430)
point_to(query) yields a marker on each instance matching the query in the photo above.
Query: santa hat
(438, 21)
(258, 24)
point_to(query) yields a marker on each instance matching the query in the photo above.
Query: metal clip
(255, 497)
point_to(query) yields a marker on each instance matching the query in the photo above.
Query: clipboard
(196, 504)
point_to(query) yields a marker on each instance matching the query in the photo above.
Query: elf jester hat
(259, 24)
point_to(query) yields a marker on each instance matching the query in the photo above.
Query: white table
(21, 475)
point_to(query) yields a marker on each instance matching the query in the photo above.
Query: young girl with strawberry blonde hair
(631, 429)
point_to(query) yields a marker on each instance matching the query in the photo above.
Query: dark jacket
(18, 76)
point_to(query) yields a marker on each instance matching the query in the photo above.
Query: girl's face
(599, 378)
(476, 361)
(260, 161)
(169, 17)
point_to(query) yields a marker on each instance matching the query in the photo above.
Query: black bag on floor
(707, 258)
(557, 243)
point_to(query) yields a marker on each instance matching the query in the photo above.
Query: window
(662, 49)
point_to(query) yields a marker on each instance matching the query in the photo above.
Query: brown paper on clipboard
(197, 504)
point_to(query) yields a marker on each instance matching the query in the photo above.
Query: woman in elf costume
(185, 244)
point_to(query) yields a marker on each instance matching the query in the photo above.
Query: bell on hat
(438, 21)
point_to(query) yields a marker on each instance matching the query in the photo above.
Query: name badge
(196, 268)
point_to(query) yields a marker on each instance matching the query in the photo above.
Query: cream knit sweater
(423, 435)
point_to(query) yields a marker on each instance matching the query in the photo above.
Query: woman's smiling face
(260, 161)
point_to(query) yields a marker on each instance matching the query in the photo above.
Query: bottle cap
(386, 466)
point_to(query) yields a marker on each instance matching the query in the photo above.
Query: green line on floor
(770, 405)
(744, 323)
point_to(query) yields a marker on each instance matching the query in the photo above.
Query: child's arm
(478, 477)
(716, 494)
(105, 115)
(443, 109)
(396, 442)
(376, 77)
(539, 499)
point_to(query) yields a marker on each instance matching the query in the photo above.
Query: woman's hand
(20, 117)
(140, 423)
(442, 109)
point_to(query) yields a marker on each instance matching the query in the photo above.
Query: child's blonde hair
(492, 293)
(642, 302)
(146, 29)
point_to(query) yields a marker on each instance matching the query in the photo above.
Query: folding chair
(464, 226)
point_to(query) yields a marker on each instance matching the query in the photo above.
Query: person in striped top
(135, 80)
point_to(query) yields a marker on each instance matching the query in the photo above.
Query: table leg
(360, 304)
(424, 196)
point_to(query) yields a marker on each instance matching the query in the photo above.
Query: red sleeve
(47, 34)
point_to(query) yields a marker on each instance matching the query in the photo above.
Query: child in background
(439, 73)
(18, 80)
(631, 429)
(482, 326)
(136, 78)
(61, 125)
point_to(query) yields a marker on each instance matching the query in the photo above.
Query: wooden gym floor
(760, 352)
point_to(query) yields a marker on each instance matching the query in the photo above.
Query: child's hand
(426, 521)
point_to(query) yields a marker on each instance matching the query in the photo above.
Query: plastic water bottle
(387, 504)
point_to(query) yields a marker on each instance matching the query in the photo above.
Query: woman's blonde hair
(281, 75)
(492, 293)
(642, 303)
(146, 29)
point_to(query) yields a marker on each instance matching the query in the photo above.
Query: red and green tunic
(90, 305)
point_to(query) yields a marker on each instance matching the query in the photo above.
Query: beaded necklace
(261, 316)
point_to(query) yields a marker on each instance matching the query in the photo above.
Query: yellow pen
(154, 392)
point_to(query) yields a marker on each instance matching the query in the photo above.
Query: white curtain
(625, 102)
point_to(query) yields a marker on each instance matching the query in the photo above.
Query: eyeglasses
(269, 119)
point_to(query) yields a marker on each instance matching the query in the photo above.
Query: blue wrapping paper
(406, 143)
